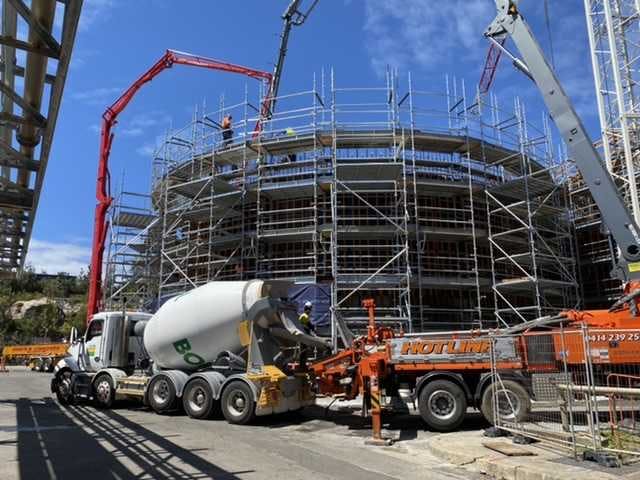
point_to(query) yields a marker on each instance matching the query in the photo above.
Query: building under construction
(449, 212)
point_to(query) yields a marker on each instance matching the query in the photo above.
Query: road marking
(45, 453)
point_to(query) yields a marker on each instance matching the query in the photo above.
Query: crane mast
(620, 222)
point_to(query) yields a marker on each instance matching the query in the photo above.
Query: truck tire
(237, 403)
(514, 403)
(198, 401)
(103, 391)
(162, 394)
(62, 387)
(442, 405)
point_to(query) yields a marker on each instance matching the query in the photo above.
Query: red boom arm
(109, 120)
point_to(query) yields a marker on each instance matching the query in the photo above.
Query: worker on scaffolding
(227, 132)
(305, 318)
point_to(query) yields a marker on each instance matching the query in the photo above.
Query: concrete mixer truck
(224, 347)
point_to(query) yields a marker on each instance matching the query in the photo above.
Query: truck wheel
(162, 394)
(104, 392)
(198, 400)
(237, 403)
(514, 403)
(442, 405)
(62, 387)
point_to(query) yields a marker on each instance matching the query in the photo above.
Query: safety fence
(576, 388)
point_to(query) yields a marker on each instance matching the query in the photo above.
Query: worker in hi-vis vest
(227, 132)
(305, 317)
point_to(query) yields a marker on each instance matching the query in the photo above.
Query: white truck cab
(104, 344)
(110, 345)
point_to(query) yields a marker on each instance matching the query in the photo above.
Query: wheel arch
(177, 377)
(241, 378)
(67, 363)
(215, 380)
(454, 377)
(114, 373)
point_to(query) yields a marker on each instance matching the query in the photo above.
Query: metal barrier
(578, 389)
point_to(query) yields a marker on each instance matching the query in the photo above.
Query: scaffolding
(530, 230)
(132, 253)
(390, 192)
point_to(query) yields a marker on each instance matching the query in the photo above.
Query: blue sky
(119, 39)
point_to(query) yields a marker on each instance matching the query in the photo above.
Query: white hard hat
(308, 304)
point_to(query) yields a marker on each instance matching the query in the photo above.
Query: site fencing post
(568, 395)
(590, 395)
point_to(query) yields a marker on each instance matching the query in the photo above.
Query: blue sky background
(119, 39)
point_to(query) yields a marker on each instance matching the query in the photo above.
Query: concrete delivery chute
(225, 346)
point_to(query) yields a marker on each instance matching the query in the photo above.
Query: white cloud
(415, 33)
(55, 257)
(97, 96)
(81, 56)
(93, 11)
(150, 119)
(131, 132)
(147, 149)
(138, 126)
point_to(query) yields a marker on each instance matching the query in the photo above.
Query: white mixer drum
(193, 328)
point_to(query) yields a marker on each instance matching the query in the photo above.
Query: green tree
(53, 288)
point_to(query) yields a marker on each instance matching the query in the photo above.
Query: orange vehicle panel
(41, 350)
(606, 346)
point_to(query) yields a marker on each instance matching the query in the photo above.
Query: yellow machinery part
(269, 378)
(244, 332)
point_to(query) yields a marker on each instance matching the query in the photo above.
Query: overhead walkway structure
(36, 44)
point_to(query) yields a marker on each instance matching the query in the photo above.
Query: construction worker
(305, 317)
(227, 132)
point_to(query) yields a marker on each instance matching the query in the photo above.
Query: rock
(27, 308)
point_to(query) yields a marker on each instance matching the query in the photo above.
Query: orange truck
(40, 357)
(447, 372)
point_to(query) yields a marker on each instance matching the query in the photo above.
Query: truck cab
(110, 341)
(111, 344)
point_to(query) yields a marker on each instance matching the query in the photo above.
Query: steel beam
(26, 120)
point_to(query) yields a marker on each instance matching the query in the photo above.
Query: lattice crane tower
(614, 38)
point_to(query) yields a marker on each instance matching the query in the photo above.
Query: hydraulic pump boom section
(617, 217)
(109, 120)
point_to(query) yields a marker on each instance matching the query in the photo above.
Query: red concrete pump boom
(109, 120)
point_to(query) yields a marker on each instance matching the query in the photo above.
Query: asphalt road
(41, 440)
